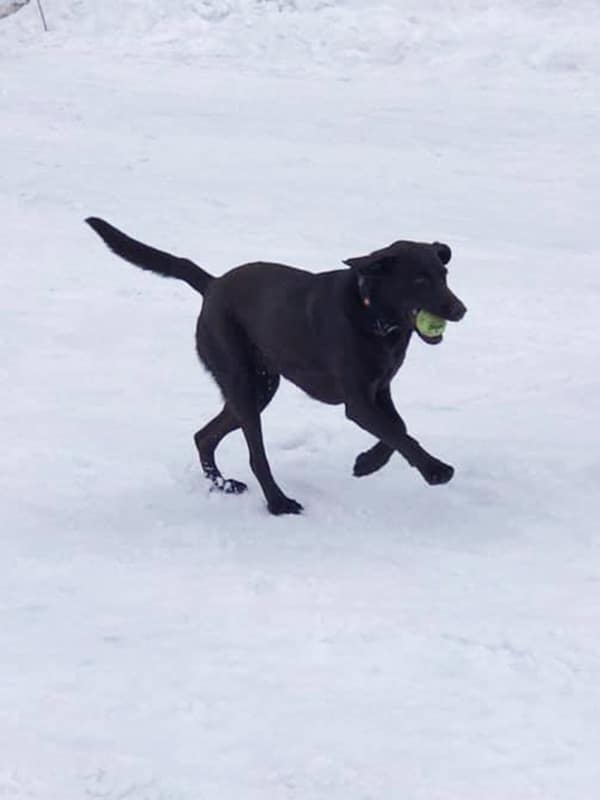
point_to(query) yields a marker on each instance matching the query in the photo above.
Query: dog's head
(407, 277)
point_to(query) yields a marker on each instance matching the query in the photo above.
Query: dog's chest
(388, 357)
(318, 384)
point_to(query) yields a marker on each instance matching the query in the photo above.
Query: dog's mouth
(429, 327)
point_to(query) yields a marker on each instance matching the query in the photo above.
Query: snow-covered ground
(158, 642)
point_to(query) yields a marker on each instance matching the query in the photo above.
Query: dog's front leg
(373, 459)
(376, 457)
(384, 422)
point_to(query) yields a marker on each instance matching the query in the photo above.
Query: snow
(8, 7)
(544, 35)
(161, 642)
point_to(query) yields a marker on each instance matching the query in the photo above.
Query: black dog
(341, 336)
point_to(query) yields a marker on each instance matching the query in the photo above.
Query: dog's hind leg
(247, 394)
(247, 386)
(207, 440)
(277, 502)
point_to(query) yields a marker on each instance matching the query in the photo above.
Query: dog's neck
(377, 322)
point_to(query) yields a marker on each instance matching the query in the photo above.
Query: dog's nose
(456, 311)
(461, 311)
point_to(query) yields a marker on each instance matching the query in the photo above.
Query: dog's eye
(423, 279)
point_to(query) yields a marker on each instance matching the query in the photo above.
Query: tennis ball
(430, 325)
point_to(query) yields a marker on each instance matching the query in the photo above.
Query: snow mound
(552, 35)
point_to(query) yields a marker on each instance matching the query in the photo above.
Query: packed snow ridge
(549, 35)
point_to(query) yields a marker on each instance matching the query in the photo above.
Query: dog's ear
(443, 252)
(358, 263)
(371, 264)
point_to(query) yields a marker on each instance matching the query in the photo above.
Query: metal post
(42, 15)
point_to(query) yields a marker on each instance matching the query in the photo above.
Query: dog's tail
(149, 258)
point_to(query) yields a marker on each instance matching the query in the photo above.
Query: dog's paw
(284, 505)
(234, 487)
(371, 460)
(227, 485)
(365, 464)
(435, 472)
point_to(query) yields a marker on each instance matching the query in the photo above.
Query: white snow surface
(547, 35)
(158, 642)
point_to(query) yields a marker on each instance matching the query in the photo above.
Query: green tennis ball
(430, 325)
